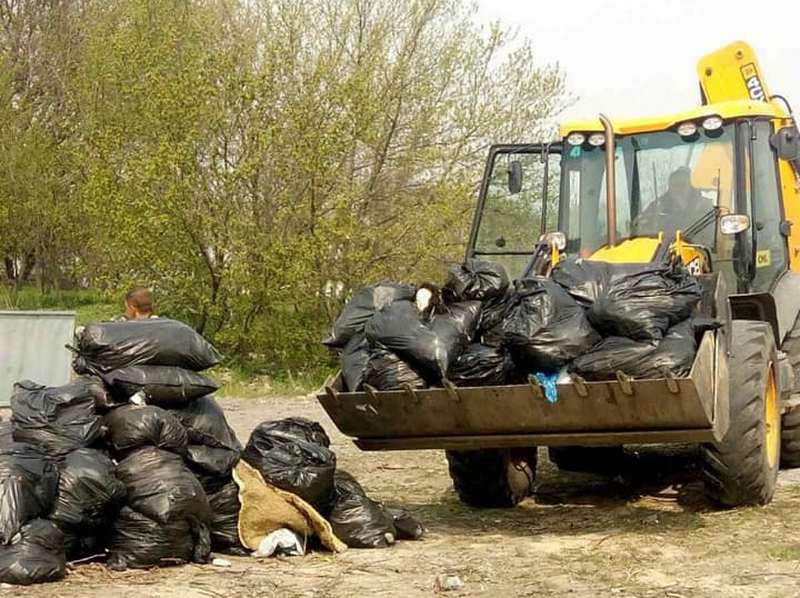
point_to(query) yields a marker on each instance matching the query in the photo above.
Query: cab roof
(727, 110)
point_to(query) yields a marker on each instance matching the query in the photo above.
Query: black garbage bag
(139, 542)
(28, 486)
(89, 493)
(81, 543)
(356, 519)
(59, 419)
(643, 304)
(292, 464)
(545, 328)
(676, 351)
(386, 371)
(133, 426)
(401, 329)
(361, 307)
(355, 356)
(224, 523)
(610, 355)
(298, 427)
(584, 280)
(481, 365)
(213, 447)
(428, 346)
(161, 487)
(475, 280)
(407, 526)
(493, 312)
(161, 385)
(107, 346)
(455, 329)
(36, 555)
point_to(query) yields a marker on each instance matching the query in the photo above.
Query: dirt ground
(647, 533)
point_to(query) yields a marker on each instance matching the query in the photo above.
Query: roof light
(687, 129)
(576, 138)
(597, 139)
(712, 123)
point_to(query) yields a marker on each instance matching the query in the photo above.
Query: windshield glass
(665, 182)
(510, 222)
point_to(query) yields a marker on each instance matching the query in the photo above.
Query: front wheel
(493, 478)
(742, 469)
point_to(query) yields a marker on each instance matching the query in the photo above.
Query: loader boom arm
(732, 73)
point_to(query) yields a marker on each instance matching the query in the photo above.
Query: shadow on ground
(647, 487)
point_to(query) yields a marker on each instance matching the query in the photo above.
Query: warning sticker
(763, 258)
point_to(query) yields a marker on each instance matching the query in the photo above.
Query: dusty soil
(648, 532)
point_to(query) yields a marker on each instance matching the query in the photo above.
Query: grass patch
(785, 553)
(243, 381)
(88, 305)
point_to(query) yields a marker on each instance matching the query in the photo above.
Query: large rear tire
(493, 478)
(742, 469)
(603, 460)
(790, 427)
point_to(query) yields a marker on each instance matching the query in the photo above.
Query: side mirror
(732, 224)
(786, 142)
(514, 177)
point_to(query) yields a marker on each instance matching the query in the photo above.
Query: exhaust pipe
(611, 189)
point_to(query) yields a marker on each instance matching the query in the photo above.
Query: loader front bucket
(623, 411)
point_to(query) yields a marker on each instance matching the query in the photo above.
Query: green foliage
(252, 161)
(89, 306)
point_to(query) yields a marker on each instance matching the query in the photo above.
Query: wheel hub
(772, 421)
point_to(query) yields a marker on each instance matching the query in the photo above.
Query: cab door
(518, 202)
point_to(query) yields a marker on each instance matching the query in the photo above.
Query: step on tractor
(597, 193)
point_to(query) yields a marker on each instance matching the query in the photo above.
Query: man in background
(139, 304)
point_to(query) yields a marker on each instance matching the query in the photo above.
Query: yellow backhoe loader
(602, 193)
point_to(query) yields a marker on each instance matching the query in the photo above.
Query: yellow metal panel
(732, 73)
(648, 124)
(630, 251)
(790, 188)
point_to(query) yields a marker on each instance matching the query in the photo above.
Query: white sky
(648, 65)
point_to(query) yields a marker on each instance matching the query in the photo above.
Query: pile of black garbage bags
(294, 454)
(132, 462)
(592, 319)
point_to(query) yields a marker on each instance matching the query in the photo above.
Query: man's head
(139, 304)
(680, 183)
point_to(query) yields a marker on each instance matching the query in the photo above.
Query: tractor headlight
(687, 129)
(576, 138)
(712, 123)
(597, 139)
(731, 224)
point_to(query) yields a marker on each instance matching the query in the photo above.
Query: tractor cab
(703, 184)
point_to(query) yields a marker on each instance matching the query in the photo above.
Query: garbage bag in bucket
(545, 328)
(363, 305)
(475, 280)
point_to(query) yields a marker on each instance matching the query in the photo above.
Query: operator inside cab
(681, 206)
